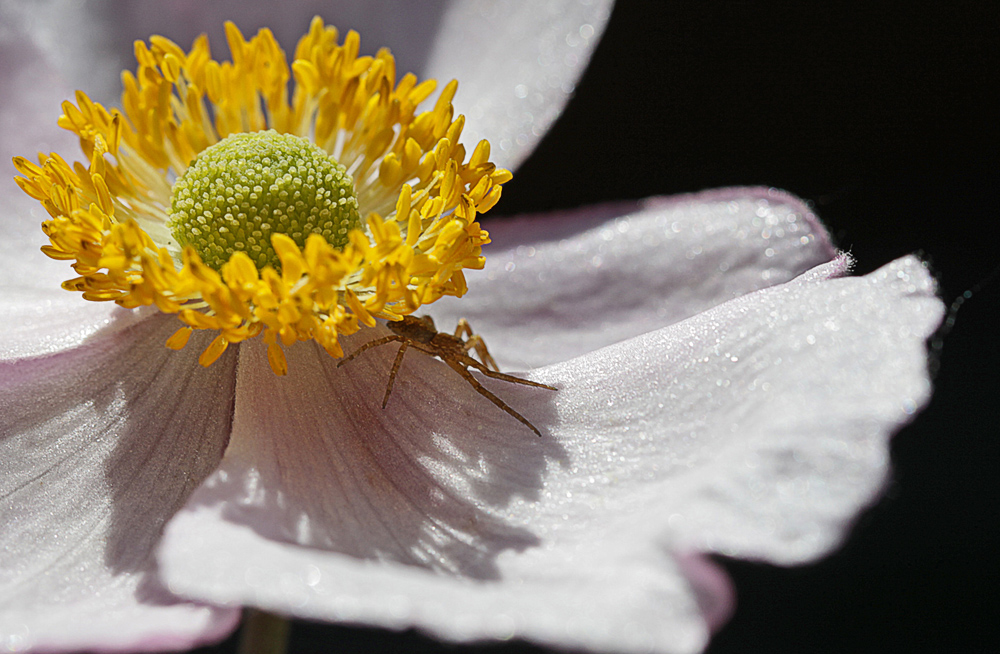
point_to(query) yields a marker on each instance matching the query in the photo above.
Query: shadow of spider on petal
(419, 333)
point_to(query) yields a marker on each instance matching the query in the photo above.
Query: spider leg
(475, 342)
(463, 328)
(457, 367)
(499, 375)
(369, 345)
(392, 373)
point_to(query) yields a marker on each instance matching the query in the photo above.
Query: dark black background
(879, 117)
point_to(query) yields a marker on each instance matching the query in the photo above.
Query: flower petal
(56, 41)
(809, 379)
(36, 315)
(756, 428)
(37, 322)
(325, 506)
(561, 285)
(98, 447)
(517, 66)
(315, 460)
(29, 108)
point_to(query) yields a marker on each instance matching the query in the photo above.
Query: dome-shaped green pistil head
(245, 188)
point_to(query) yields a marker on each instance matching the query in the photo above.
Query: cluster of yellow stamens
(417, 195)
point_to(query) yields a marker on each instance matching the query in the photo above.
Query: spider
(419, 332)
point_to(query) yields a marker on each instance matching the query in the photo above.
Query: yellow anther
(213, 351)
(240, 272)
(306, 75)
(180, 338)
(171, 67)
(104, 200)
(237, 44)
(403, 203)
(276, 357)
(480, 155)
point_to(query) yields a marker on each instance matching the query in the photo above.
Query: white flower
(723, 388)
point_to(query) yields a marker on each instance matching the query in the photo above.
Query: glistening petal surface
(36, 315)
(98, 447)
(560, 285)
(756, 428)
(517, 64)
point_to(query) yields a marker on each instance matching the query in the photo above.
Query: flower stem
(263, 633)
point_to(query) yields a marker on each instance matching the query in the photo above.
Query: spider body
(419, 333)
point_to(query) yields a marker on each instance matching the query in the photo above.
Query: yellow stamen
(213, 351)
(179, 339)
(417, 195)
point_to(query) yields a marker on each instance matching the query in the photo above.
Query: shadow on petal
(99, 446)
(113, 437)
(316, 461)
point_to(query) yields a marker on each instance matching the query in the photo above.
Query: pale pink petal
(29, 108)
(713, 589)
(36, 315)
(64, 38)
(564, 284)
(328, 507)
(808, 445)
(372, 479)
(98, 447)
(43, 321)
(517, 65)
(757, 428)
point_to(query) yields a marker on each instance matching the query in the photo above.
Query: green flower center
(245, 188)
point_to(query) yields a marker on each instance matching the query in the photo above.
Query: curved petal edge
(517, 66)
